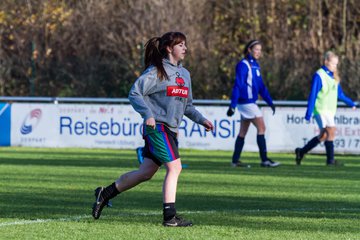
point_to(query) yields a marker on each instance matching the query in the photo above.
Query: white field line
(24, 222)
(77, 218)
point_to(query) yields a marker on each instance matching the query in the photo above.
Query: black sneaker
(269, 163)
(298, 156)
(177, 221)
(99, 204)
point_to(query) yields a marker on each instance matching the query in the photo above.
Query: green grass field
(48, 194)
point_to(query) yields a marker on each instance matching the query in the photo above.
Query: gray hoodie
(167, 100)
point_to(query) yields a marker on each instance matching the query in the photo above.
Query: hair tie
(253, 43)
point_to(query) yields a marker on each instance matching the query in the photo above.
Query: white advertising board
(119, 126)
(75, 125)
(288, 129)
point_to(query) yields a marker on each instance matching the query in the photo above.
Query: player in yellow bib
(322, 102)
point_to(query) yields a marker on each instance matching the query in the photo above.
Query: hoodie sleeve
(140, 89)
(344, 98)
(316, 86)
(241, 73)
(190, 110)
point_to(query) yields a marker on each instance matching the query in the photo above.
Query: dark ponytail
(155, 51)
(153, 56)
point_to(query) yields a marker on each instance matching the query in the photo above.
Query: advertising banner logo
(31, 120)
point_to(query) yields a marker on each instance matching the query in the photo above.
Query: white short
(325, 120)
(249, 111)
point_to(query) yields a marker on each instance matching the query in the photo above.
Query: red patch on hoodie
(176, 91)
(180, 81)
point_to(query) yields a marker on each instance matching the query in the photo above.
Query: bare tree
(95, 48)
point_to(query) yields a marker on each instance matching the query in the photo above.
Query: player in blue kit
(248, 85)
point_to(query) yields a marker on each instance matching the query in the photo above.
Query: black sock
(329, 146)
(110, 192)
(310, 145)
(169, 211)
(262, 147)
(239, 144)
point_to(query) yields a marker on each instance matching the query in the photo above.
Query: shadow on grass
(205, 170)
(215, 210)
(208, 164)
(79, 160)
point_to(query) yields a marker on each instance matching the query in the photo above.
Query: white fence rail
(112, 123)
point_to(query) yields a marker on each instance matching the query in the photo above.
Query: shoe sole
(241, 165)
(173, 225)
(269, 166)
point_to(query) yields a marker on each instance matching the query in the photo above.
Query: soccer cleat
(269, 163)
(177, 221)
(298, 156)
(139, 152)
(99, 204)
(240, 164)
(109, 203)
(335, 163)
